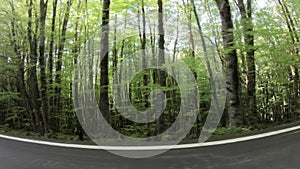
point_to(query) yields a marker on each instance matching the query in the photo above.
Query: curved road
(275, 152)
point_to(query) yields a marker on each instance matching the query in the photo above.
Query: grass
(220, 133)
(227, 131)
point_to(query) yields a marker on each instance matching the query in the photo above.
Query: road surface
(275, 152)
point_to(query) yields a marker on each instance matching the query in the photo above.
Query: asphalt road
(275, 152)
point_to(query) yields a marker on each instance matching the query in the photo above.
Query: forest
(236, 60)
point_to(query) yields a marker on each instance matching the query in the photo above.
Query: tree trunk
(232, 75)
(246, 14)
(43, 78)
(207, 61)
(115, 49)
(57, 100)
(51, 120)
(32, 73)
(161, 57)
(20, 84)
(104, 79)
(188, 15)
(295, 50)
(143, 40)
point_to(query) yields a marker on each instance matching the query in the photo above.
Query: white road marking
(132, 148)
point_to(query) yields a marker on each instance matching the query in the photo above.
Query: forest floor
(220, 134)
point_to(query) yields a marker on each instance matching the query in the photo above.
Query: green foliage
(275, 56)
(229, 131)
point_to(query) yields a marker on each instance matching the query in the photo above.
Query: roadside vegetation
(41, 42)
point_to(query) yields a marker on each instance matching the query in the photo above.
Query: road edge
(132, 148)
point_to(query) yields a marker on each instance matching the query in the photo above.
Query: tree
(51, 119)
(295, 40)
(32, 75)
(58, 70)
(43, 78)
(39, 49)
(248, 34)
(161, 55)
(232, 75)
(104, 79)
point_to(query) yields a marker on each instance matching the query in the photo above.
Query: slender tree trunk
(75, 51)
(121, 119)
(295, 49)
(215, 32)
(161, 56)
(188, 15)
(20, 84)
(232, 75)
(58, 80)
(145, 76)
(32, 73)
(246, 14)
(42, 64)
(104, 79)
(51, 120)
(115, 49)
(207, 60)
(153, 52)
